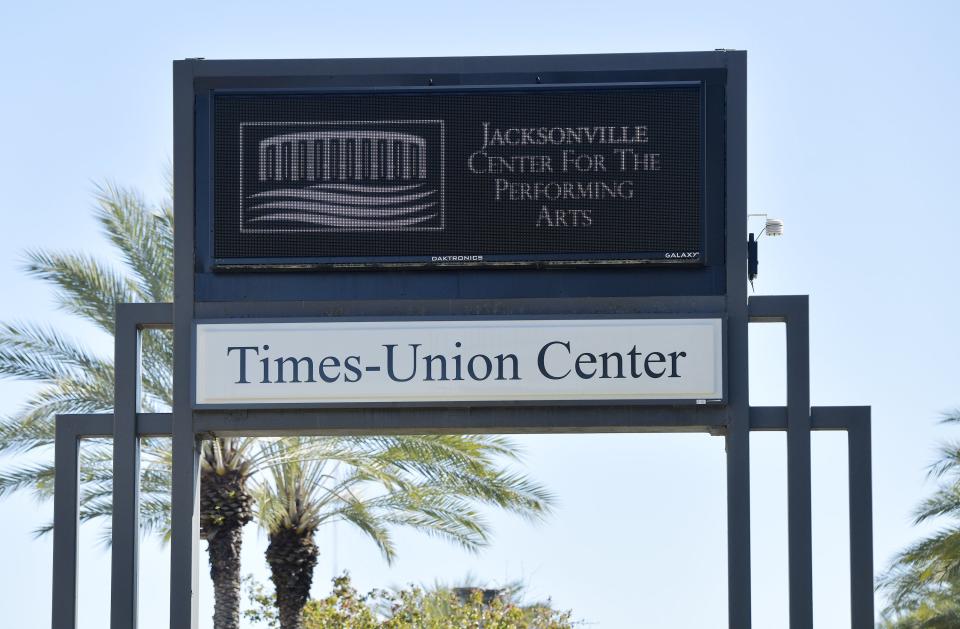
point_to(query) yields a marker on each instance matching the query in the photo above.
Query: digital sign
(551, 175)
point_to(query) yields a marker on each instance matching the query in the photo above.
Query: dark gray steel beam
(854, 419)
(770, 308)
(131, 319)
(65, 518)
(861, 520)
(799, 492)
(821, 417)
(763, 418)
(126, 470)
(838, 417)
(377, 310)
(100, 425)
(185, 520)
(739, 602)
(149, 316)
(154, 424)
(68, 432)
(89, 425)
(794, 311)
(490, 419)
(70, 429)
(457, 65)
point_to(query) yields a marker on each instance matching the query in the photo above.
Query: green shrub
(414, 608)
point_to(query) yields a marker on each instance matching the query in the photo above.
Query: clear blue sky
(853, 142)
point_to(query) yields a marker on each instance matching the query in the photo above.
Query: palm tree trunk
(225, 507)
(292, 557)
(224, 554)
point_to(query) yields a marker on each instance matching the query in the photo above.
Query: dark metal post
(126, 472)
(65, 487)
(185, 520)
(794, 311)
(69, 430)
(130, 320)
(738, 427)
(861, 521)
(799, 517)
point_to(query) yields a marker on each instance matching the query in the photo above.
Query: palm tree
(923, 581)
(226, 506)
(918, 602)
(430, 483)
(77, 380)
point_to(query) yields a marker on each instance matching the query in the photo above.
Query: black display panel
(455, 177)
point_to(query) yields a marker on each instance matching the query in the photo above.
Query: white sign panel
(251, 364)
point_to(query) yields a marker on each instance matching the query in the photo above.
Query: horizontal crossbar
(94, 425)
(772, 418)
(762, 418)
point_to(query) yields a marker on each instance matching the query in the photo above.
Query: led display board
(504, 175)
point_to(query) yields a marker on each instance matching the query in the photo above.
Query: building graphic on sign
(380, 176)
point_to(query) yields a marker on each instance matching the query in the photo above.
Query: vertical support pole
(65, 517)
(126, 472)
(800, 533)
(185, 508)
(738, 525)
(185, 537)
(861, 521)
(738, 427)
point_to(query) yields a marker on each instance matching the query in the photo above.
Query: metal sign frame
(199, 296)
(127, 425)
(718, 288)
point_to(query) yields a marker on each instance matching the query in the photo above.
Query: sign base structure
(127, 426)
(531, 244)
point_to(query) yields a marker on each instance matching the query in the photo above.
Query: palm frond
(947, 462)
(426, 454)
(288, 496)
(28, 430)
(154, 519)
(431, 483)
(86, 287)
(33, 427)
(515, 493)
(916, 601)
(34, 352)
(89, 393)
(436, 514)
(936, 558)
(141, 236)
(156, 364)
(420, 482)
(96, 493)
(951, 417)
(37, 477)
(945, 501)
(78, 381)
(369, 523)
